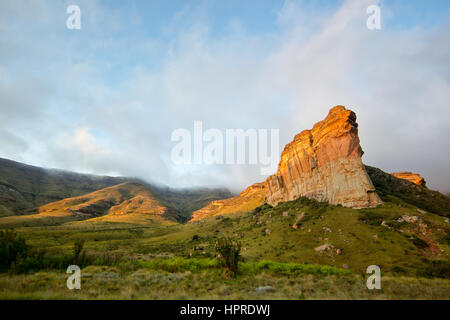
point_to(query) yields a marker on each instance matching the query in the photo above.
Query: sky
(105, 99)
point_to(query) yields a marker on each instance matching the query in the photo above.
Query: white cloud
(397, 81)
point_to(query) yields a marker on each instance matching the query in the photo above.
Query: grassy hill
(24, 187)
(25, 190)
(403, 192)
(123, 202)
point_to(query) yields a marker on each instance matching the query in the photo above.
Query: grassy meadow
(147, 259)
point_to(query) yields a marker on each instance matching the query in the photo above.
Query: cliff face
(247, 200)
(324, 163)
(413, 177)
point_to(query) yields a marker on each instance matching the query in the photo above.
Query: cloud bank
(106, 99)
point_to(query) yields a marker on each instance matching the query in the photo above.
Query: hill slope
(398, 239)
(123, 202)
(401, 191)
(186, 201)
(23, 187)
(247, 200)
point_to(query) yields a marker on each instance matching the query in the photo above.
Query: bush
(195, 237)
(436, 269)
(12, 249)
(228, 253)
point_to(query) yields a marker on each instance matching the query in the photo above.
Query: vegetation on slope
(122, 202)
(24, 187)
(403, 192)
(186, 201)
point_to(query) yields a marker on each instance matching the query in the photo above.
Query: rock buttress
(325, 164)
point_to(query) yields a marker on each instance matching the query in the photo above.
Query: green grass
(352, 231)
(176, 261)
(102, 282)
(407, 194)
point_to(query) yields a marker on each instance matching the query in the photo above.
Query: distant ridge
(24, 187)
(30, 190)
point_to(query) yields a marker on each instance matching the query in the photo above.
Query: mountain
(123, 202)
(325, 164)
(405, 192)
(24, 187)
(247, 200)
(29, 190)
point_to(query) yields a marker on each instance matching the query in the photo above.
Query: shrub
(228, 253)
(436, 269)
(195, 237)
(12, 249)
(79, 256)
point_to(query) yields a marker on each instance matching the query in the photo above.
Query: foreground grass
(100, 282)
(203, 278)
(195, 265)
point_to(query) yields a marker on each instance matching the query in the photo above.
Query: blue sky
(105, 99)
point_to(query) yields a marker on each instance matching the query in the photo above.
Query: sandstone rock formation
(413, 177)
(247, 200)
(324, 163)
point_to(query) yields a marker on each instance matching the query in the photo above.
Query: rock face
(413, 177)
(247, 200)
(324, 163)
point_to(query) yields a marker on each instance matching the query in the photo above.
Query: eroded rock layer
(413, 177)
(324, 163)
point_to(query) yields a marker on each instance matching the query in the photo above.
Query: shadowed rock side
(412, 177)
(324, 164)
(247, 200)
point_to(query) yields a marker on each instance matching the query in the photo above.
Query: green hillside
(406, 193)
(24, 187)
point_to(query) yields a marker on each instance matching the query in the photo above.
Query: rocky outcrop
(325, 164)
(413, 177)
(247, 200)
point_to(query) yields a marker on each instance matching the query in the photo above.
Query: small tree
(228, 253)
(78, 257)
